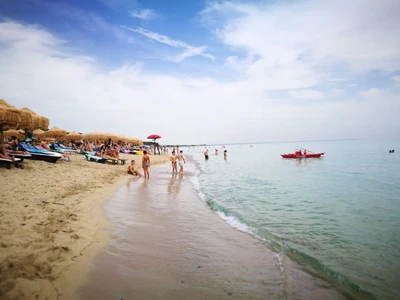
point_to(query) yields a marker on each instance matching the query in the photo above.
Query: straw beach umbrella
(95, 135)
(38, 122)
(12, 118)
(55, 132)
(39, 133)
(73, 135)
(12, 132)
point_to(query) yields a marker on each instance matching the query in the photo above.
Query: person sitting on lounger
(3, 152)
(131, 169)
(14, 149)
(116, 151)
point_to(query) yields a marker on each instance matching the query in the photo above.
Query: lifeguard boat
(298, 154)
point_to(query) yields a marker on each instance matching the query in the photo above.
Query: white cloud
(143, 14)
(307, 94)
(309, 41)
(163, 39)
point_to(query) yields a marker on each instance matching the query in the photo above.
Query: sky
(206, 71)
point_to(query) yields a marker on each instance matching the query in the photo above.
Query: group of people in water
(206, 157)
(176, 158)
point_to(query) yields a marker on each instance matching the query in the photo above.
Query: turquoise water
(339, 216)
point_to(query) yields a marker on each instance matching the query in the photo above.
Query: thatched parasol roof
(9, 133)
(38, 133)
(73, 135)
(95, 135)
(134, 141)
(55, 132)
(110, 135)
(12, 117)
(38, 122)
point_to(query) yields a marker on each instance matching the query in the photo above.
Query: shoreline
(52, 224)
(168, 244)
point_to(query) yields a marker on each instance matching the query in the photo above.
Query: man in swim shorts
(131, 169)
(206, 154)
(181, 161)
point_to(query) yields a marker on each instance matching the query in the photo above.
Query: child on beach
(173, 162)
(181, 160)
(131, 169)
(146, 164)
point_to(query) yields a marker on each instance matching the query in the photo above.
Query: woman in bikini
(146, 164)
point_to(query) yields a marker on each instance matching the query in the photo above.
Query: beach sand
(168, 244)
(52, 224)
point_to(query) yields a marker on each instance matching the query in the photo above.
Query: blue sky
(206, 71)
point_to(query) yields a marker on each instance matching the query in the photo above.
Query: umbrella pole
(2, 133)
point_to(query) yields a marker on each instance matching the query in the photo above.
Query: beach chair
(122, 161)
(8, 163)
(40, 154)
(20, 156)
(91, 157)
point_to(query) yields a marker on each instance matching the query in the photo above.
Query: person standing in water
(146, 164)
(206, 154)
(173, 162)
(225, 154)
(181, 161)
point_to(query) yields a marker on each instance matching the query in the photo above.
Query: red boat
(298, 154)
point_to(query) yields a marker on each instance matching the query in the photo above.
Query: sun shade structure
(73, 135)
(55, 132)
(39, 133)
(12, 132)
(154, 137)
(12, 118)
(38, 122)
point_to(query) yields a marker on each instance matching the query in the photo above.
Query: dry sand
(51, 221)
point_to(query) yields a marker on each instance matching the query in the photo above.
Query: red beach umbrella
(154, 137)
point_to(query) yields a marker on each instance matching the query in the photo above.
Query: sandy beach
(51, 224)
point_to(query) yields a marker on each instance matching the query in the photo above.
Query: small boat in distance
(298, 154)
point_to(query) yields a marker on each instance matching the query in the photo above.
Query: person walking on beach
(131, 169)
(146, 164)
(181, 160)
(173, 162)
(225, 154)
(206, 154)
(216, 151)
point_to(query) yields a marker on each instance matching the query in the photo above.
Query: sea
(338, 215)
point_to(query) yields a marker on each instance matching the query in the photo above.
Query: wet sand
(51, 224)
(168, 244)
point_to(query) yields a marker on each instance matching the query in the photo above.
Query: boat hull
(311, 155)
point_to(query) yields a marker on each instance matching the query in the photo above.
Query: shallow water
(339, 215)
(168, 244)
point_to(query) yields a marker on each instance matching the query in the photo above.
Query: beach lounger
(64, 149)
(40, 154)
(8, 163)
(20, 156)
(91, 157)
